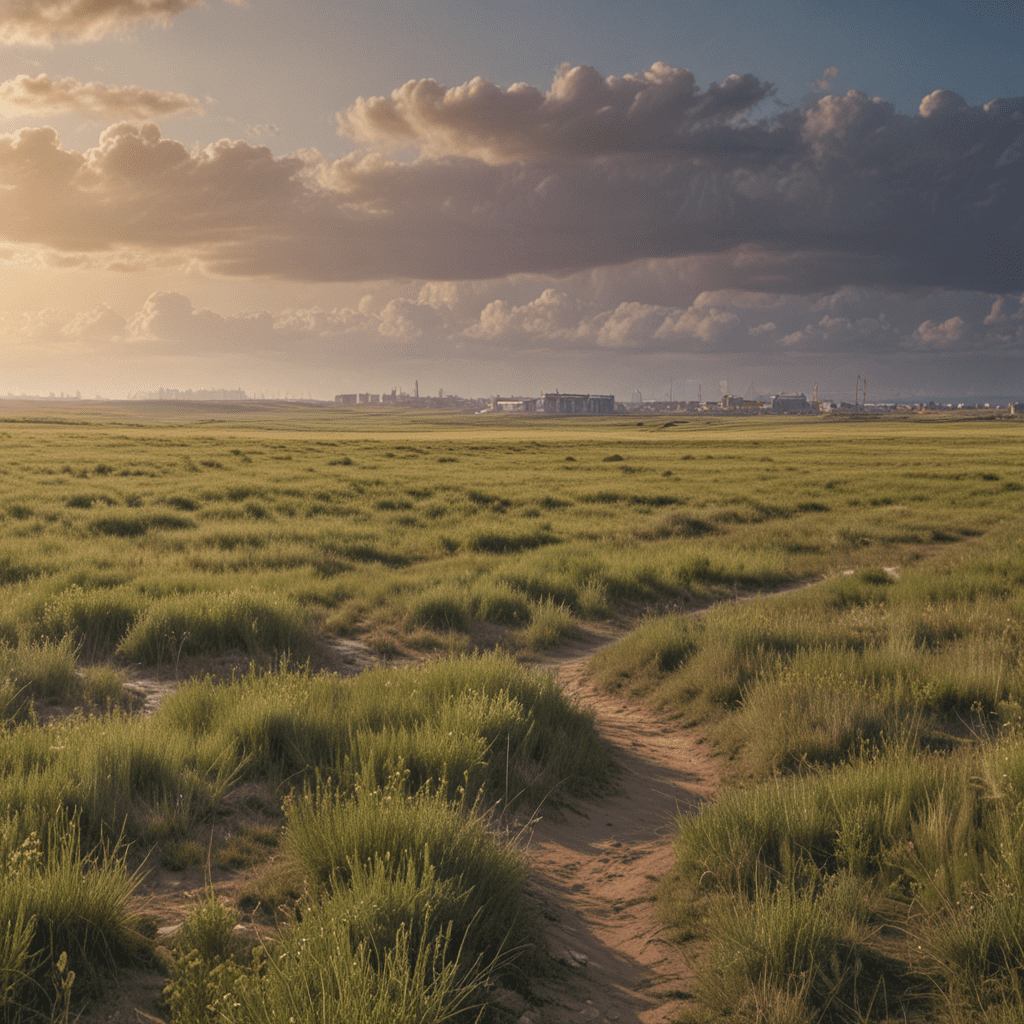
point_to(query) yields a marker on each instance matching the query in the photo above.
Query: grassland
(858, 715)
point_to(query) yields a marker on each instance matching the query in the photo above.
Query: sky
(303, 199)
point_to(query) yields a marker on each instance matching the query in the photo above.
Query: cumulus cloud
(583, 114)
(556, 320)
(45, 22)
(1000, 311)
(825, 82)
(595, 172)
(842, 334)
(40, 96)
(442, 322)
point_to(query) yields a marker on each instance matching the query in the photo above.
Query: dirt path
(595, 865)
(596, 868)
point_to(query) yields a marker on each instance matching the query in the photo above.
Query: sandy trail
(596, 867)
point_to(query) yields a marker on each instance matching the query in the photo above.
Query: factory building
(578, 405)
(513, 404)
(791, 403)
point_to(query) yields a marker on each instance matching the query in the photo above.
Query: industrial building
(578, 405)
(791, 403)
(513, 405)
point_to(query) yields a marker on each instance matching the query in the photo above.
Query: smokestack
(417, 389)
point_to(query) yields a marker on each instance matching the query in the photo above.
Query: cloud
(940, 102)
(825, 82)
(595, 172)
(45, 22)
(582, 115)
(999, 313)
(844, 335)
(931, 336)
(441, 324)
(168, 321)
(40, 96)
(555, 320)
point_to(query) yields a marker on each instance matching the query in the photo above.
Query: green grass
(862, 861)
(398, 782)
(65, 912)
(302, 512)
(439, 859)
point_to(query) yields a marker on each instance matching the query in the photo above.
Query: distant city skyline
(305, 198)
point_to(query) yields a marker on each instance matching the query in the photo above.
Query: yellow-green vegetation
(393, 785)
(866, 862)
(872, 721)
(165, 542)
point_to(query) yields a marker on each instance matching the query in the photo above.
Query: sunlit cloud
(440, 323)
(582, 115)
(41, 96)
(845, 193)
(45, 22)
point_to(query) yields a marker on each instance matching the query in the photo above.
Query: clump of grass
(400, 983)
(550, 624)
(806, 951)
(656, 647)
(366, 836)
(96, 618)
(502, 542)
(67, 916)
(104, 686)
(445, 608)
(257, 624)
(204, 962)
(502, 604)
(137, 524)
(42, 671)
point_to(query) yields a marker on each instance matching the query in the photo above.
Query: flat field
(234, 547)
(183, 532)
